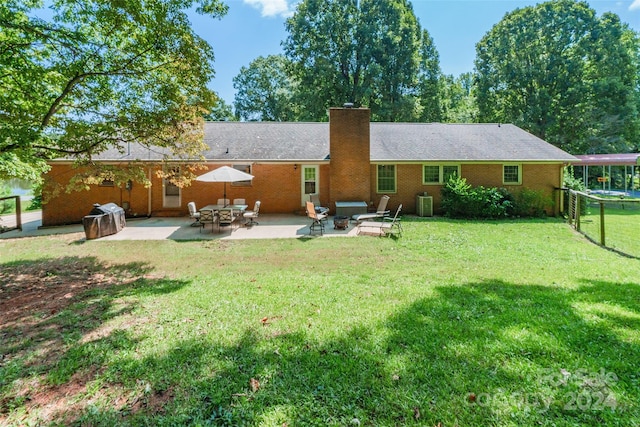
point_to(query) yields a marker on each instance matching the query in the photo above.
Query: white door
(310, 181)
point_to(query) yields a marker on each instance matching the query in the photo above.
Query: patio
(272, 226)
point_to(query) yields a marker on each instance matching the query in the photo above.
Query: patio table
(235, 208)
(240, 208)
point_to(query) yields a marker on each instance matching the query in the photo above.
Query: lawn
(456, 323)
(621, 226)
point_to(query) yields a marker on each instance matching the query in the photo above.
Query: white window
(512, 174)
(246, 169)
(386, 181)
(439, 173)
(310, 181)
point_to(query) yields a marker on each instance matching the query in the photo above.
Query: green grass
(621, 226)
(521, 323)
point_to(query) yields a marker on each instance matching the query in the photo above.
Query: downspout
(149, 195)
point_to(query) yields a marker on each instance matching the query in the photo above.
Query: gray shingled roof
(264, 141)
(459, 142)
(390, 142)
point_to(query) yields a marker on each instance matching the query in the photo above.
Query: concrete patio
(271, 226)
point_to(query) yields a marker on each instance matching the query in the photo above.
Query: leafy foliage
(570, 181)
(560, 72)
(530, 203)
(100, 74)
(221, 112)
(265, 90)
(461, 200)
(368, 52)
(457, 99)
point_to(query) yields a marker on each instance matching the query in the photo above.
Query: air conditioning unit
(424, 205)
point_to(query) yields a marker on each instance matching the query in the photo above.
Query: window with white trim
(512, 174)
(386, 179)
(439, 173)
(246, 168)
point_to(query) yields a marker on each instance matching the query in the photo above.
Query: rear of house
(347, 159)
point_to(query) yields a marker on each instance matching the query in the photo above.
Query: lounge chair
(316, 218)
(252, 215)
(386, 227)
(315, 199)
(194, 214)
(381, 212)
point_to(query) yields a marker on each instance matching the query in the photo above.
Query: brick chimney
(350, 177)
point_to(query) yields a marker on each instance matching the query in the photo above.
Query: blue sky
(255, 28)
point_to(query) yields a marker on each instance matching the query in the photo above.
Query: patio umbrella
(224, 174)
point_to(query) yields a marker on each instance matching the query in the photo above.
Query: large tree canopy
(562, 73)
(369, 52)
(265, 90)
(98, 73)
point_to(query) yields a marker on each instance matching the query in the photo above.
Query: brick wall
(69, 208)
(349, 130)
(277, 186)
(540, 177)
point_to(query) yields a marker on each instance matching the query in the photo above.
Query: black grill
(103, 220)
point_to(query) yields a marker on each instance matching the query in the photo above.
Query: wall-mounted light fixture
(295, 166)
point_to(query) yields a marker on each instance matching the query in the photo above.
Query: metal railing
(613, 222)
(18, 215)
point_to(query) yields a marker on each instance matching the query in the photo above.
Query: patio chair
(316, 218)
(226, 217)
(194, 214)
(386, 227)
(315, 199)
(239, 202)
(223, 202)
(381, 212)
(207, 216)
(252, 215)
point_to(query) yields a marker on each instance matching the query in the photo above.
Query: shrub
(531, 203)
(6, 206)
(571, 182)
(461, 200)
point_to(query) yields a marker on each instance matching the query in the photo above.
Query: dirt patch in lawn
(46, 307)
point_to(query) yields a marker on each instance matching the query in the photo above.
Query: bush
(571, 182)
(6, 206)
(531, 203)
(461, 200)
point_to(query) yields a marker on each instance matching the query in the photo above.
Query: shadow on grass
(487, 353)
(52, 317)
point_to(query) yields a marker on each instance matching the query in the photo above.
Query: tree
(563, 74)
(368, 52)
(265, 90)
(98, 74)
(221, 112)
(457, 100)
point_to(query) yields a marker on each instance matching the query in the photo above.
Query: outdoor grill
(103, 220)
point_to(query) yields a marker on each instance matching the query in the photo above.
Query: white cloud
(270, 8)
(635, 5)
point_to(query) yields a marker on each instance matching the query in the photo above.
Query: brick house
(347, 159)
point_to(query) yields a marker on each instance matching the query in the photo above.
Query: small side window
(512, 174)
